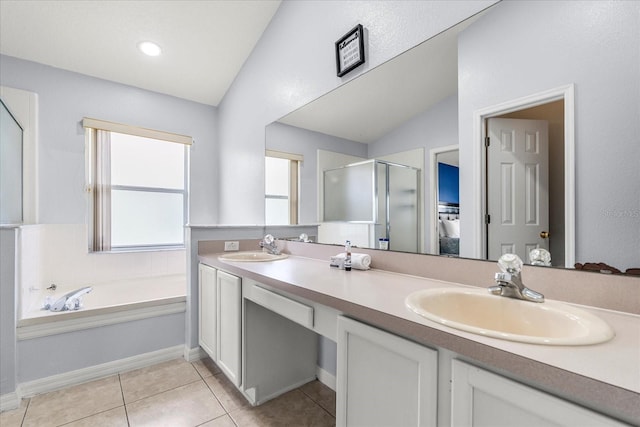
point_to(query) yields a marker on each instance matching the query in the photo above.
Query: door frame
(478, 169)
(434, 238)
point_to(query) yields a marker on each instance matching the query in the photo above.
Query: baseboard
(193, 354)
(326, 378)
(56, 382)
(9, 401)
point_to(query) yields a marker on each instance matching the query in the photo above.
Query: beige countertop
(605, 377)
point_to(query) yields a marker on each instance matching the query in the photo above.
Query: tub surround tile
(58, 253)
(74, 403)
(146, 382)
(189, 405)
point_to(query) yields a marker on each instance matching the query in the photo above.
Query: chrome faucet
(269, 244)
(509, 281)
(70, 301)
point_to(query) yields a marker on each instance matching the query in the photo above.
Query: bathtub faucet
(70, 301)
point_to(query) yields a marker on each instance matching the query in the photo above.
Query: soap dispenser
(347, 259)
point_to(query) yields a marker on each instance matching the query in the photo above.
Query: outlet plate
(231, 246)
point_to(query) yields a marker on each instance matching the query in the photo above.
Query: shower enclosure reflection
(371, 202)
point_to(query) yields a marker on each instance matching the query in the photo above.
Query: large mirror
(542, 76)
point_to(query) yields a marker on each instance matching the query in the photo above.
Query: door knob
(544, 234)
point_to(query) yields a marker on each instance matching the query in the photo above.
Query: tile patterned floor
(173, 394)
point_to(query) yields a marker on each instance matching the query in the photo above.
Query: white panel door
(382, 379)
(229, 325)
(517, 187)
(482, 398)
(207, 309)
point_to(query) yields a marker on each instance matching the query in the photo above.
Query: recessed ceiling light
(149, 48)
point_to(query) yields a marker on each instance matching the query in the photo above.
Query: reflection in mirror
(373, 204)
(425, 99)
(446, 167)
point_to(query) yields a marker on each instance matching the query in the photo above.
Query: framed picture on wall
(350, 51)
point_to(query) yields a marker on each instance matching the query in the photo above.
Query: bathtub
(108, 303)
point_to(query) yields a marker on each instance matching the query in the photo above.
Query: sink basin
(254, 256)
(479, 312)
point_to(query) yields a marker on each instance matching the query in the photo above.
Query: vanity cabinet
(382, 379)
(482, 398)
(207, 309)
(229, 325)
(220, 319)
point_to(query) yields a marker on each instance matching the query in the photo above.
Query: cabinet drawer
(292, 310)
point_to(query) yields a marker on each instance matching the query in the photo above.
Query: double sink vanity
(413, 350)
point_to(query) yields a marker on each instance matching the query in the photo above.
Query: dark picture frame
(350, 51)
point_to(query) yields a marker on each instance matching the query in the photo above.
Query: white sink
(479, 312)
(252, 256)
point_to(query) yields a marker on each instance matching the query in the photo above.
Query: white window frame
(99, 226)
(295, 161)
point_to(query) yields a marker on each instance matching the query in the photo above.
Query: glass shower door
(403, 208)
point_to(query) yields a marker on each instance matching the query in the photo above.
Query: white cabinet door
(229, 326)
(482, 398)
(382, 379)
(207, 309)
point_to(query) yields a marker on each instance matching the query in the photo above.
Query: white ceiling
(204, 42)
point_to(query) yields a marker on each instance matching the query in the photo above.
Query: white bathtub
(108, 303)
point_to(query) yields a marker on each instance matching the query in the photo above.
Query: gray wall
(55, 354)
(7, 310)
(65, 98)
(294, 63)
(290, 139)
(596, 46)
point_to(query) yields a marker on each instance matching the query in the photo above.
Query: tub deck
(106, 303)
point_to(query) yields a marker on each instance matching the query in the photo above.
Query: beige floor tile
(156, 379)
(290, 409)
(228, 395)
(223, 421)
(206, 367)
(14, 417)
(189, 405)
(322, 395)
(116, 417)
(73, 403)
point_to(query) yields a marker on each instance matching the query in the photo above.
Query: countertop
(605, 377)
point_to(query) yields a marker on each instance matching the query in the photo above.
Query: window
(137, 182)
(281, 187)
